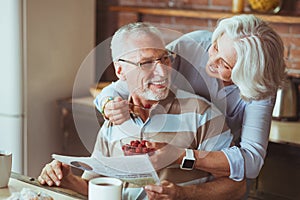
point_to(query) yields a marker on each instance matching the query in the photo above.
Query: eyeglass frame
(170, 55)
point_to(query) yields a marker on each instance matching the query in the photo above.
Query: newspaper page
(135, 169)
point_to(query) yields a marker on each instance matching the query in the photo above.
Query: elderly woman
(239, 67)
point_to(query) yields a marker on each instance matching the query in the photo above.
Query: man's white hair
(124, 35)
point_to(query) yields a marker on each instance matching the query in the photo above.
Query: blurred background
(45, 42)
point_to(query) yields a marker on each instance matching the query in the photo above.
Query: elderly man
(179, 122)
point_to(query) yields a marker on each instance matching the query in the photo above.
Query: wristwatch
(188, 160)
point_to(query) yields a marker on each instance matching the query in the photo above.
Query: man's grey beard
(150, 95)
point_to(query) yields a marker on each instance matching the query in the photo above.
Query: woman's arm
(246, 161)
(255, 135)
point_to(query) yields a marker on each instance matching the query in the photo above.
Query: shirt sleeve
(249, 158)
(236, 163)
(118, 88)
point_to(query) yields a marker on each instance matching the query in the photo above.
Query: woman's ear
(119, 71)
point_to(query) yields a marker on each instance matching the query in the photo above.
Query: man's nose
(160, 69)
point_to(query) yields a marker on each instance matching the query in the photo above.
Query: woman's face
(222, 58)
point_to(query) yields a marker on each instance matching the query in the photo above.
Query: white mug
(5, 167)
(105, 188)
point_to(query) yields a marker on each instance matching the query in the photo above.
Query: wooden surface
(285, 132)
(201, 14)
(17, 182)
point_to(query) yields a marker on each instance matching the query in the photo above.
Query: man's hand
(165, 191)
(117, 111)
(222, 188)
(54, 173)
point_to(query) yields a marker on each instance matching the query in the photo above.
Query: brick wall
(290, 33)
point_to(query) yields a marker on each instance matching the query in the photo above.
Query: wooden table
(17, 182)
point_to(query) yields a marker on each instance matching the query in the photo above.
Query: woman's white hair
(130, 32)
(260, 66)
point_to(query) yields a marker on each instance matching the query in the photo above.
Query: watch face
(188, 164)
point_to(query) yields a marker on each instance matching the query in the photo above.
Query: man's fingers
(52, 174)
(41, 180)
(44, 178)
(154, 188)
(57, 170)
(156, 192)
(47, 180)
(150, 194)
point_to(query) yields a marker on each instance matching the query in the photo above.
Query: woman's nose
(213, 57)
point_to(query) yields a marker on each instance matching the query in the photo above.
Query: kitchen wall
(58, 35)
(290, 33)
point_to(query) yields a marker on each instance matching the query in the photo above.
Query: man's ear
(119, 70)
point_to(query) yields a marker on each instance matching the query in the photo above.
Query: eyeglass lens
(165, 60)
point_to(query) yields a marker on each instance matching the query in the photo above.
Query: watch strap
(189, 154)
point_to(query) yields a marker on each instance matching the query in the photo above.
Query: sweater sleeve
(249, 158)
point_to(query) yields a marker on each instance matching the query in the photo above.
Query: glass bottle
(237, 6)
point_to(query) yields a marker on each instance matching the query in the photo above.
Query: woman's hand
(165, 154)
(117, 111)
(165, 191)
(54, 173)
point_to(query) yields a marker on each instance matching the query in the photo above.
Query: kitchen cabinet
(80, 122)
(280, 177)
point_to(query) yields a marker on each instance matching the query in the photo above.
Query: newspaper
(135, 169)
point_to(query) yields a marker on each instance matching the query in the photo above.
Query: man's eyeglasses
(149, 65)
